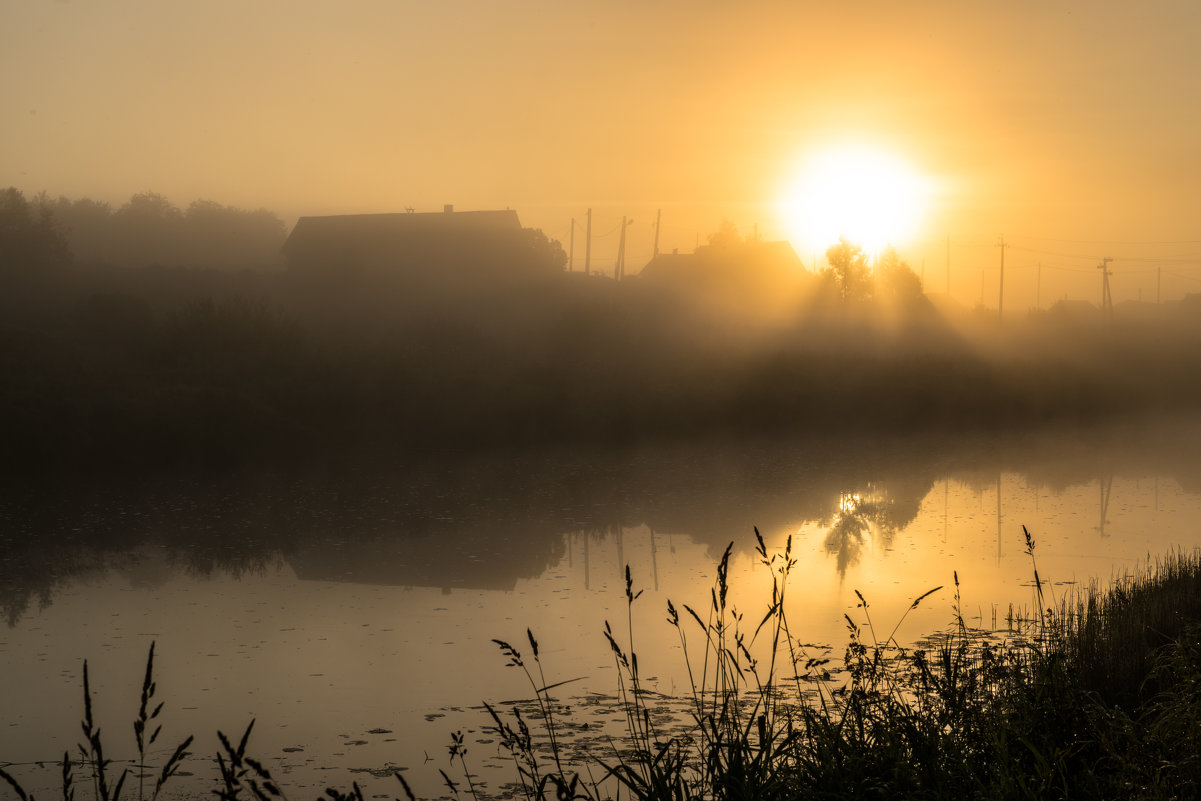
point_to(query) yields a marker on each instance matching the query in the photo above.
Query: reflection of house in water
(481, 557)
(416, 246)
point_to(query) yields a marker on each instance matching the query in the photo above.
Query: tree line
(147, 230)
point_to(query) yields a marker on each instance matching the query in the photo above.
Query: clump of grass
(517, 738)
(242, 777)
(1114, 638)
(92, 749)
(140, 724)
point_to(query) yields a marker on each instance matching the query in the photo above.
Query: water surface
(352, 614)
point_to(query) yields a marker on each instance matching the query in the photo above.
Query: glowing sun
(865, 194)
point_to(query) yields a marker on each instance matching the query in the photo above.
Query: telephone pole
(948, 266)
(1001, 290)
(1106, 296)
(588, 246)
(658, 219)
(571, 248)
(619, 268)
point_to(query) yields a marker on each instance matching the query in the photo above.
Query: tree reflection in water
(869, 515)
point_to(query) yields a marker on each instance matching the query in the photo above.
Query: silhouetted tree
(545, 254)
(87, 225)
(850, 271)
(150, 230)
(726, 237)
(30, 239)
(224, 236)
(896, 280)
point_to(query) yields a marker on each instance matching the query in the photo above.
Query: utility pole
(948, 266)
(1106, 297)
(658, 219)
(620, 267)
(588, 246)
(1001, 290)
(571, 248)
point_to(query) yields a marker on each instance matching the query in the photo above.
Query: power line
(1178, 260)
(1001, 289)
(1053, 253)
(1119, 241)
(1165, 260)
(610, 232)
(1061, 268)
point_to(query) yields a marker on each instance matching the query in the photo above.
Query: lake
(351, 611)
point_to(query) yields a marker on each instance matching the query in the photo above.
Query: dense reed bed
(1097, 696)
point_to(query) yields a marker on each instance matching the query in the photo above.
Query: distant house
(452, 244)
(734, 273)
(1073, 311)
(752, 260)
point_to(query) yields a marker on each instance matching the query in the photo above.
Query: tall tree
(30, 239)
(850, 270)
(896, 280)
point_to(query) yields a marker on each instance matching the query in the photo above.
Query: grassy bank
(1098, 695)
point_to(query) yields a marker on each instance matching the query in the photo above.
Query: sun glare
(867, 195)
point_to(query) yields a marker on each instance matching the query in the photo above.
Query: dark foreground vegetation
(148, 338)
(1097, 697)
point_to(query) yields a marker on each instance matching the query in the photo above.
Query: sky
(1073, 129)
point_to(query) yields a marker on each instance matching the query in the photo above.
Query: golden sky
(1073, 128)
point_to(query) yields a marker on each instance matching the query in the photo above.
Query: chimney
(449, 208)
